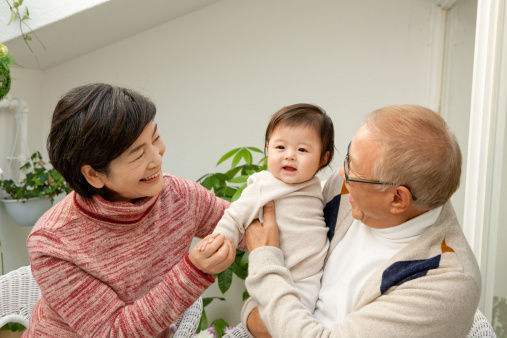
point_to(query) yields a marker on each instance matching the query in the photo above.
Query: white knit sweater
(299, 214)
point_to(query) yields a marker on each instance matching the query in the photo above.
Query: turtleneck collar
(114, 212)
(411, 228)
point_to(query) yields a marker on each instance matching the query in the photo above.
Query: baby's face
(294, 153)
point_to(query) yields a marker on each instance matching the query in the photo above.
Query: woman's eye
(156, 138)
(138, 157)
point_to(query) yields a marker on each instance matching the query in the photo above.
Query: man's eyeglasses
(348, 179)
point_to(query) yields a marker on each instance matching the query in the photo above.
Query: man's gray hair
(417, 150)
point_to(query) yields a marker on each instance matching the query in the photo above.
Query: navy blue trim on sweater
(400, 272)
(331, 215)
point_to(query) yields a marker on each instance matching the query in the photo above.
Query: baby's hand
(214, 256)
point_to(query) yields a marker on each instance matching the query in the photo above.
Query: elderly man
(398, 264)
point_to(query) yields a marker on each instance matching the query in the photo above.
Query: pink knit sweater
(119, 268)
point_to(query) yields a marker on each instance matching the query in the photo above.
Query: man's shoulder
(441, 252)
(333, 187)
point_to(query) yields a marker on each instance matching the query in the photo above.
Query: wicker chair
(19, 292)
(481, 328)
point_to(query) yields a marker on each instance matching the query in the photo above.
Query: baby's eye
(279, 147)
(303, 150)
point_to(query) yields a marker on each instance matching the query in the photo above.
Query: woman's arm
(93, 308)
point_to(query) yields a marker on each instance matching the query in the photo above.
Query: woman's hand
(256, 326)
(215, 257)
(265, 234)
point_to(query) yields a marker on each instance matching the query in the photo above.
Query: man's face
(369, 204)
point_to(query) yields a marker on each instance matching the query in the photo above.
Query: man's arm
(441, 304)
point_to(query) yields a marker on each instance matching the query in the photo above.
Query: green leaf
(264, 162)
(14, 327)
(13, 17)
(231, 173)
(244, 260)
(225, 280)
(227, 155)
(26, 15)
(39, 181)
(237, 158)
(256, 150)
(247, 156)
(220, 325)
(239, 179)
(207, 300)
(245, 295)
(238, 192)
(240, 270)
(203, 323)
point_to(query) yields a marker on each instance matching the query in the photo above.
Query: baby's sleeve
(240, 213)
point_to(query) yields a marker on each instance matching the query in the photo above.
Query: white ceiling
(95, 27)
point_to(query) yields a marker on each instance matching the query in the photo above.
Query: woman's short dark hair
(93, 124)
(305, 114)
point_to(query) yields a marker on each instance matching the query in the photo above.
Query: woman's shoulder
(53, 224)
(179, 187)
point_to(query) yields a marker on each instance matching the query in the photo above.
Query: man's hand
(256, 326)
(215, 257)
(265, 234)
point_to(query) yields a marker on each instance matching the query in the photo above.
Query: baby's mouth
(289, 168)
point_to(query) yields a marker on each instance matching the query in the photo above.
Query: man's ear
(402, 200)
(93, 177)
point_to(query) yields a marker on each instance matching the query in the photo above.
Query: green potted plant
(28, 200)
(5, 77)
(244, 161)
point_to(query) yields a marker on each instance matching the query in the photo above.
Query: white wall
(42, 13)
(457, 81)
(217, 74)
(26, 84)
(500, 277)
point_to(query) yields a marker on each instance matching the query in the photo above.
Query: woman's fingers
(219, 256)
(212, 245)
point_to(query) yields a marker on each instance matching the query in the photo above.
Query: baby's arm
(240, 214)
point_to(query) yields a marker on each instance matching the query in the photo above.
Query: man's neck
(396, 219)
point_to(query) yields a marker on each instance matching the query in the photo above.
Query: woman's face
(137, 172)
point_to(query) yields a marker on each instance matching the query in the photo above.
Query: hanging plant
(5, 76)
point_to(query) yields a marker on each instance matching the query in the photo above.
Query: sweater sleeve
(93, 308)
(240, 213)
(441, 304)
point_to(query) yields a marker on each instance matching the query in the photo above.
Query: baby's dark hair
(309, 115)
(93, 124)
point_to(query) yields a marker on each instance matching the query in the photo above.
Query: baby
(299, 142)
